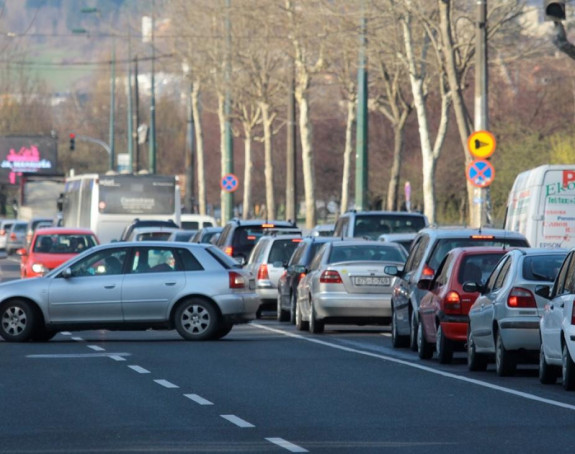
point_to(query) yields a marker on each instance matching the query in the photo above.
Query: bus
(107, 203)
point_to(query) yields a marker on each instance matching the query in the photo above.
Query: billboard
(27, 154)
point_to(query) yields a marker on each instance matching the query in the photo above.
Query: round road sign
(229, 182)
(480, 173)
(481, 144)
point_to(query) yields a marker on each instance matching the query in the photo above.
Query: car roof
(457, 232)
(380, 212)
(61, 230)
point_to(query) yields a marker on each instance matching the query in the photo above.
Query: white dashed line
(117, 358)
(139, 369)
(166, 383)
(198, 399)
(77, 339)
(286, 445)
(66, 333)
(96, 348)
(237, 421)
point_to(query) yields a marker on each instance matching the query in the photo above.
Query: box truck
(541, 206)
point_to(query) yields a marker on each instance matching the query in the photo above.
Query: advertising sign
(27, 154)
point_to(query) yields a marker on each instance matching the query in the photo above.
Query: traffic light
(554, 10)
(72, 141)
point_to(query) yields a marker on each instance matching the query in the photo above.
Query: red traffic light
(72, 135)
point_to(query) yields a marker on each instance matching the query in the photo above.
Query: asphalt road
(266, 388)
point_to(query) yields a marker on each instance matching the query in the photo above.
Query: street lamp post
(190, 149)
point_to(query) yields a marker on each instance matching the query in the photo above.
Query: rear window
(477, 268)
(542, 267)
(225, 260)
(154, 236)
(374, 225)
(443, 246)
(282, 250)
(358, 253)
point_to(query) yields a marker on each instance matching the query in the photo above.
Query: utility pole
(152, 144)
(228, 161)
(112, 106)
(190, 131)
(136, 115)
(130, 119)
(361, 173)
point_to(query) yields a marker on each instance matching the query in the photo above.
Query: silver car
(16, 237)
(346, 283)
(504, 320)
(193, 288)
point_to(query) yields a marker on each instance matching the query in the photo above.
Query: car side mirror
(472, 287)
(67, 273)
(392, 270)
(425, 284)
(241, 260)
(543, 291)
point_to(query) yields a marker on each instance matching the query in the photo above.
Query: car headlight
(39, 268)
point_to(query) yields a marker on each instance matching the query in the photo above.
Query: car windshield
(63, 243)
(374, 225)
(356, 253)
(542, 267)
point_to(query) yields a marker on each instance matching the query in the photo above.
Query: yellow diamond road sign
(481, 144)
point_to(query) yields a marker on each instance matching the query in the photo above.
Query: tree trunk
(200, 166)
(347, 154)
(268, 166)
(398, 142)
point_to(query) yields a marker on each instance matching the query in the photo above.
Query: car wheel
(424, 348)
(197, 319)
(224, 330)
(300, 324)
(504, 359)
(17, 321)
(397, 340)
(547, 374)
(282, 315)
(443, 347)
(43, 335)
(259, 313)
(413, 332)
(475, 361)
(568, 370)
(292, 313)
(315, 326)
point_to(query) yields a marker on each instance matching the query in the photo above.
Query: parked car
(267, 262)
(323, 230)
(206, 235)
(35, 223)
(557, 326)
(429, 248)
(115, 286)
(181, 235)
(5, 225)
(50, 247)
(405, 239)
(137, 223)
(239, 237)
(443, 310)
(346, 283)
(504, 320)
(296, 267)
(157, 233)
(372, 224)
(16, 237)
(191, 221)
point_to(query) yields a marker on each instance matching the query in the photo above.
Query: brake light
(301, 276)
(330, 277)
(573, 313)
(521, 297)
(229, 250)
(2, 232)
(268, 226)
(13, 236)
(296, 240)
(237, 280)
(427, 271)
(452, 303)
(482, 237)
(263, 272)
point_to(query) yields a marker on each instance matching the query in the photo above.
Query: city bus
(107, 203)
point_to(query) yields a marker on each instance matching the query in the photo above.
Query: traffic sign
(481, 144)
(229, 182)
(480, 173)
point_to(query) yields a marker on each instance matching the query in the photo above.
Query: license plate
(371, 280)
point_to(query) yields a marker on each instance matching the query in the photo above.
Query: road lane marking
(80, 355)
(237, 421)
(286, 445)
(97, 348)
(422, 367)
(166, 383)
(77, 339)
(198, 399)
(117, 358)
(66, 333)
(139, 369)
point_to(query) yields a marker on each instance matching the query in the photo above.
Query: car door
(92, 293)
(553, 313)
(429, 305)
(154, 279)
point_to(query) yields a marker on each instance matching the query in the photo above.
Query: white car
(558, 329)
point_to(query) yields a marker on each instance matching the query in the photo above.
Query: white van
(196, 221)
(541, 206)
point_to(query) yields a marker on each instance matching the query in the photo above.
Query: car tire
(197, 319)
(424, 348)
(282, 316)
(397, 340)
(413, 325)
(224, 330)
(548, 374)
(18, 321)
(300, 324)
(43, 334)
(315, 326)
(568, 370)
(505, 362)
(476, 362)
(443, 347)
(293, 303)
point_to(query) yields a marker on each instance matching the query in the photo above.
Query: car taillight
(13, 236)
(452, 303)
(2, 232)
(330, 277)
(237, 280)
(427, 271)
(521, 297)
(573, 313)
(263, 272)
(229, 250)
(301, 276)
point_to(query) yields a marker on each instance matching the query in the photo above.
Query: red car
(50, 247)
(443, 318)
